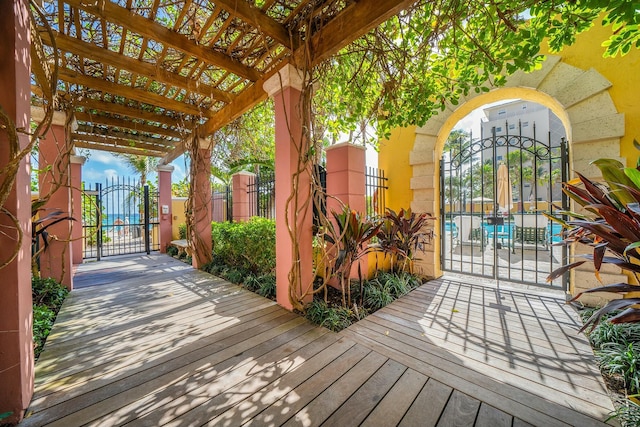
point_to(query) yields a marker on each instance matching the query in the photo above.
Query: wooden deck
(149, 341)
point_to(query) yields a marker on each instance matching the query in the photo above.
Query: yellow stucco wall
(178, 215)
(622, 72)
(394, 160)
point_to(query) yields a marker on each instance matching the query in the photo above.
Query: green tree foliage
(435, 53)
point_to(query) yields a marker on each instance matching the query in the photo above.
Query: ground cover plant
(48, 296)
(617, 348)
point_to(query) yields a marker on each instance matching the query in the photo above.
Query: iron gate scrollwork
(496, 193)
(119, 218)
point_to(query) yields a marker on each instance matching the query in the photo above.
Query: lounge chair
(531, 229)
(470, 231)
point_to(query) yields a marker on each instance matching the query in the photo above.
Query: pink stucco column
(164, 200)
(16, 342)
(55, 183)
(346, 182)
(76, 208)
(285, 88)
(201, 205)
(241, 204)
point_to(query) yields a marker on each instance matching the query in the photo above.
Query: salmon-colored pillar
(241, 204)
(54, 180)
(285, 88)
(16, 342)
(76, 208)
(164, 200)
(201, 205)
(346, 182)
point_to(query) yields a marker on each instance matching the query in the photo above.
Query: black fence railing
(262, 194)
(376, 185)
(222, 200)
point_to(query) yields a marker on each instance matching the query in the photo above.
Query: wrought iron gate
(119, 218)
(494, 192)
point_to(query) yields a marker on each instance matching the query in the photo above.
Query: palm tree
(139, 164)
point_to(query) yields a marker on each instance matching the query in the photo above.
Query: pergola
(158, 78)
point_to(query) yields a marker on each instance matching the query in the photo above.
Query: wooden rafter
(125, 111)
(128, 124)
(148, 28)
(260, 20)
(114, 133)
(151, 71)
(118, 149)
(117, 142)
(139, 95)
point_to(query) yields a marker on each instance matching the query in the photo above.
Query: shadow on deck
(147, 340)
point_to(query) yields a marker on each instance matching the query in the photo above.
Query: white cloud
(102, 157)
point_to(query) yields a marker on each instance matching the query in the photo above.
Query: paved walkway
(147, 340)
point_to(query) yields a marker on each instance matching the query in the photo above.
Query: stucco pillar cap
(244, 173)
(345, 144)
(165, 168)
(287, 76)
(204, 144)
(78, 160)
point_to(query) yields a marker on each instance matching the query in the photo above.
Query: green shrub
(622, 359)
(48, 296)
(267, 286)
(234, 275)
(333, 318)
(48, 292)
(182, 231)
(249, 246)
(377, 295)
(251, 282)
(172, 251)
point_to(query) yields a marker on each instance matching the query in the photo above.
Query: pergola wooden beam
(133, 94)
(151, 29)
(113, 133)
(151, 71)
(350, 24)
(260, 20)
(118, 149)
(128, 124)
(117, 142)
(125, 111)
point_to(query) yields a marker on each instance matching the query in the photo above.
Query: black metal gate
(119, 218)
(494, 193)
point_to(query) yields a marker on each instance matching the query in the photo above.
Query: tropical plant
(402, 234)
(347, 236)
(610, 224)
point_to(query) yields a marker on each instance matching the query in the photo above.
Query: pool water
(506, 230)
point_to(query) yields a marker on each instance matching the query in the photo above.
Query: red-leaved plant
(611, 225)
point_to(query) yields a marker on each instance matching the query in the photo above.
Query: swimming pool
(505, 231)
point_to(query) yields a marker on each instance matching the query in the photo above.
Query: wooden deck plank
(152, 341)
(397, 401)
(331, 399)
(426, 409)
(588, 402)
(365, 399)
(460, 411)
(535, 365)
(488, 416)
(280, 411)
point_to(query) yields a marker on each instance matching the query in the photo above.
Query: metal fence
(262, 194)
(222, 204)
(376, 185)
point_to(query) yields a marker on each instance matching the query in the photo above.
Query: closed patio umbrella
(505, 198)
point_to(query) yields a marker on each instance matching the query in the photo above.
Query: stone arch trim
(581, 100)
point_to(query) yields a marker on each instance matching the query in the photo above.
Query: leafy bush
(48, 292)
(172, 251)
(182, 231)
(249, 246)
(251, 283)
(48, 296)
(333, 318)
(234, 275)
(267, 286)
(377, 295)
(622, 359)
